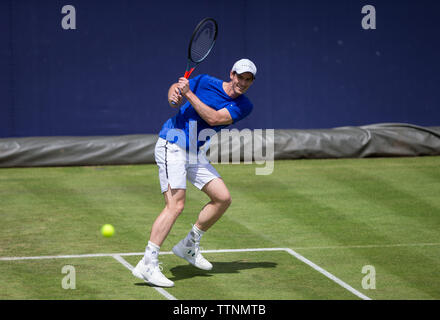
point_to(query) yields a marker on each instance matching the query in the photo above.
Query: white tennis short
(175, 167)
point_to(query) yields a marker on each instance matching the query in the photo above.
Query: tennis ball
(107, 230)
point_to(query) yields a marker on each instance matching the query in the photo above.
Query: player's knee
(177, 207)
(225, 200)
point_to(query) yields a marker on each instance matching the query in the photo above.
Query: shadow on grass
(189, 271)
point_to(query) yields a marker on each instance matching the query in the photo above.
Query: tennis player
(210, 104)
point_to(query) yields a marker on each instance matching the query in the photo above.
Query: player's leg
(148, 267)
(172, 177)
(171, 161)
(213, 210)
(174, 204)
(207, 179)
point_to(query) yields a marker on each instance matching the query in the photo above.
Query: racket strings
(203, 42)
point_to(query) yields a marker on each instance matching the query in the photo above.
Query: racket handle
(188, 72)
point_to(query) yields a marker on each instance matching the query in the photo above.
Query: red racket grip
(188, 72)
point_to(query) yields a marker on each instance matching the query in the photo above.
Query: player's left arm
(211, 116)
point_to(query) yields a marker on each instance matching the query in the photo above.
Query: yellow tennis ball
(107, 230)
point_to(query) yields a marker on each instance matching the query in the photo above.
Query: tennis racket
(201, 43)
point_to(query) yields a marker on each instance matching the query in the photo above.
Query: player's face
(241, 82)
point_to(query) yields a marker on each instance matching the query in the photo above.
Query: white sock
(193, 236)
(151, 252)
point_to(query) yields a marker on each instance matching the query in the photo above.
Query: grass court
(340, 215)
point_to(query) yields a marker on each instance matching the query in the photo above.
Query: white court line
(94, 255)
(158, 289)
(70, 256)
(303, 259)
(118, 257)
(366, 246)
(327, 274)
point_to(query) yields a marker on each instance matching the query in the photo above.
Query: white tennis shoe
(152, 273)
(192, 255)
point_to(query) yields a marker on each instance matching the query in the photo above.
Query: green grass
(340, 214)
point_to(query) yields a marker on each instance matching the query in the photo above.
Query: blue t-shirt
(210, 91)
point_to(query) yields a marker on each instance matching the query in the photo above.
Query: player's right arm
(210, 115)
(174, 96)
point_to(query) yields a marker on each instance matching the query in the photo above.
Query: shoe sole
(177, 253)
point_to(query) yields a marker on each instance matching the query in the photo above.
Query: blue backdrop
(317, 67)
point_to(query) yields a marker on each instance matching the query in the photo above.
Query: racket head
(202, 40)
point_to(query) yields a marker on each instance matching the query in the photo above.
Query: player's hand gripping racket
(201, 43)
